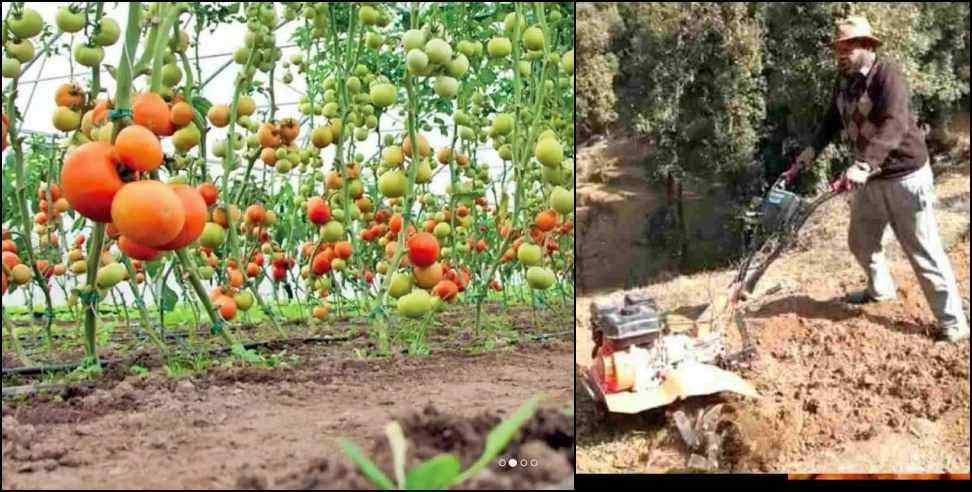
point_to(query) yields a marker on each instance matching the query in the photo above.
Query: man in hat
(891, 176)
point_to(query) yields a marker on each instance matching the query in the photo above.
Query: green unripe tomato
(549, 152)
(446, 87)
(533, 39)
(529, 254)
(109, 33)
(27, 25)
(401, 284)
(458, 66)
(524, 68)
(562, 200)
(513, 21)
(11, 68)
(413, 39)
(442, 230)
(87, 56)
(417, 61)
(333, 232)
(424, 172)
(374, 40)
(502, 124)
(415, 305)
(383, 95)
(540, 278)
(368, 15)
(70, 21)
(499, 47)
(392, 183)
(438, 51)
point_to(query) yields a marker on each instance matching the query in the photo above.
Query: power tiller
(645, 358)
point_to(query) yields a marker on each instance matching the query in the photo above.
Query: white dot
(512, 463)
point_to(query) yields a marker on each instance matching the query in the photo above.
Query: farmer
(871, 108)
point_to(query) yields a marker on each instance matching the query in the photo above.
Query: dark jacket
(888, 137)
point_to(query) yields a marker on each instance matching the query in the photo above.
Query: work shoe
(954, 334)
(864, 297)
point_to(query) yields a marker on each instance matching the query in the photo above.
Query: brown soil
(615, 198)
(258, 427)
(843, 389)
(548, 438)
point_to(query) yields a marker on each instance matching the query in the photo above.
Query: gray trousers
(907, 206)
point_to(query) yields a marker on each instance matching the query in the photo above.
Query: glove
(854, 177)
(858, 174)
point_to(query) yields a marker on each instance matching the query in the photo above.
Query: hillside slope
(844, 389)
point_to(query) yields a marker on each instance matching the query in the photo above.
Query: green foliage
(596, 100)
(720, 87)
(704, 103)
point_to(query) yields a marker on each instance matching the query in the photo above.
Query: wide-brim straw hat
(855, 27)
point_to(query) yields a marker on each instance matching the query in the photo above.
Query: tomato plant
(427, 161)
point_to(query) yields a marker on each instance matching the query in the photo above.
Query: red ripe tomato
(343, 250)
(137, 251)
(546, 220)
(395, 223)
(209, 193)
(446, 290)
(322, 262)
(10, 260)
(279, 274)
(317, 211)
(423, 249)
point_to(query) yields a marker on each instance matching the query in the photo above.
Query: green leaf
(368, 467)
(169, 298)
(501, 436)
(399, 446)
(435, 474)
(201, 105)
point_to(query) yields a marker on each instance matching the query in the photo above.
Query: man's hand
(853, 178)
(858, 174)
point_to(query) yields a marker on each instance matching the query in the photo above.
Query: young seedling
(444, 471)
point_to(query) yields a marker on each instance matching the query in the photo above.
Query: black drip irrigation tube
(34, 371)
(118, 337)
(30, 390)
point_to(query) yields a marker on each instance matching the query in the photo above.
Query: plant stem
(12, 332)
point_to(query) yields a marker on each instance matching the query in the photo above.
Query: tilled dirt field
(277, 428)
(844, 389)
